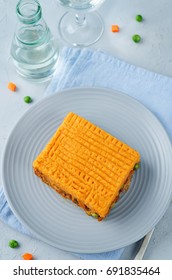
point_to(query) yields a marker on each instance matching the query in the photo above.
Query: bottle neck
(28, 11)
(31, 29)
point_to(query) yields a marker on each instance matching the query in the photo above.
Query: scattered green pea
(27, 99)
(136, 38)
(139, 18)
(13, 243)
(95, 215)
(137, 166)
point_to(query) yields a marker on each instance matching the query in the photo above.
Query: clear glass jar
(33, 49)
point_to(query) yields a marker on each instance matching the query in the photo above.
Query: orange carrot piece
(12, 86)
(27, 256)
(115, 28)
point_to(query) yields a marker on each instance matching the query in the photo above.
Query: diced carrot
(12, 86)
(27, 256)
(115, 28)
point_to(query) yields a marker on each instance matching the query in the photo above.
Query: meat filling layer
(88, 211)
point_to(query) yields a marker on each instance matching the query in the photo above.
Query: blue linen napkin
(7, 216)
(88, 68)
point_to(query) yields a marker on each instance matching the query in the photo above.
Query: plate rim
(55, 95)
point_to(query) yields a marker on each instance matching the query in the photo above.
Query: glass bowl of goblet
(81, 26)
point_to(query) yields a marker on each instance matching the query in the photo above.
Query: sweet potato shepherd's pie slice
(87, 165)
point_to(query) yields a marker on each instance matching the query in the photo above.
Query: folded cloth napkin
(88, 68)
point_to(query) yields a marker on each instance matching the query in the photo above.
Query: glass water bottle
(33, 48)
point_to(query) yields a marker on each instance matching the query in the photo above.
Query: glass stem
(80, 19)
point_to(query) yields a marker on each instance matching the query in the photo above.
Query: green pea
(136, 38)
(13, 243)
(27, 99)
(139, 18)
(95, 215)
(113, 205)
(137, 166)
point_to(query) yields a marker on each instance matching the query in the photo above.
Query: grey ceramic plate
(56, 220)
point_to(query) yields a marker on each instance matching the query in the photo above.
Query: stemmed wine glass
(77, 28)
